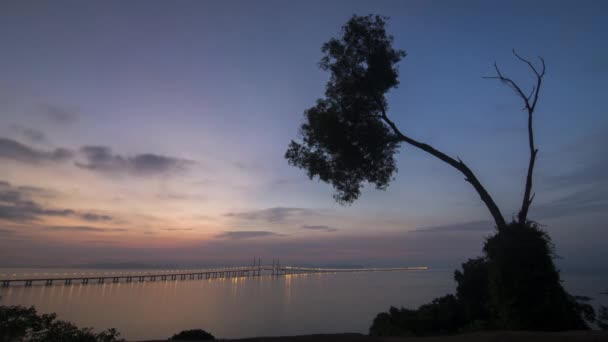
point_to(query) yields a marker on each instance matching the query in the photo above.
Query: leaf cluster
(345, 142)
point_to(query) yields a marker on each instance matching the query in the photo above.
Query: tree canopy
(345, 141)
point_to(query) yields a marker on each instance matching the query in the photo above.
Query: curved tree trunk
(458, 165)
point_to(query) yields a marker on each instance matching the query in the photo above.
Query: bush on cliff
(514, 286)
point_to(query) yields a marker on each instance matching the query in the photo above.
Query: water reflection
(235, 307)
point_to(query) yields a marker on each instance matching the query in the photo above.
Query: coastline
(486, 336)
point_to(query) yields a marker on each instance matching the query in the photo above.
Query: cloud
(585, 186)
(60, 114)
(378, 248)
(14, 150)
(589, 153)
(321, 228)
(16, 205)
(99, 242)
(178, 229)
(288, 181)
(475, 226)
(97, 158)
(588, 200)
(35, 191)
(172, 196)
(153, 163)
(30, 134)
(590, 172)
(20, 211)
(95, 217)
(6, 231)
(248, 166)
(247, 234)
(272, 215)
(83, 229)
(101, 159)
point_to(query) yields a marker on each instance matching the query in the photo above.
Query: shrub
(524, 285)
(442, 316)
(193, 335)
(18, 323)
(514, 286)
(473, 291)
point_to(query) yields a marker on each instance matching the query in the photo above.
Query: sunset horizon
(303, 171)
(171, 150)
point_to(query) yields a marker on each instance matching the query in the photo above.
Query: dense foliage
(443, 315)
(18, 323)
(193, 335)
(345, 142)
(602, 320)
(525, 287)
(514, 286)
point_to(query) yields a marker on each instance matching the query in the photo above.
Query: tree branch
(457, 164)
(530, 105)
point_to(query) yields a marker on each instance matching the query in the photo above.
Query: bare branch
(509, 82)
(542, 60)
(532, 197)
(530, 104)
(532, 92)
(527, 62)
(497, 70)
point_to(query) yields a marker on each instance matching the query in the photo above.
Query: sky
(154, 132)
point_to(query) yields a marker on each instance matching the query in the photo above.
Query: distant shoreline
(491, 336)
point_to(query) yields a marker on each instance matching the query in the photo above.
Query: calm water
(245, 307)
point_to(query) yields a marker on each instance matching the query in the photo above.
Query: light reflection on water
(235, 307)
(243, 307)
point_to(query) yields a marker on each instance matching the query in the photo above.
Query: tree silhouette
(348, 138)
(193, 335)
(18, 323)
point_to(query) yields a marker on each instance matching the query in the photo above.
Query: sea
(266, 305)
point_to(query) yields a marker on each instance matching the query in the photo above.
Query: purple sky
(154, 131)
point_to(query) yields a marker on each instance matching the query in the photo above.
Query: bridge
(163, 275)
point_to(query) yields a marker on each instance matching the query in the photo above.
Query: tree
(514, 286)
(524, 287)
(473, 289)
(348, 138)
(18, 323)
(193, 335)
(444, 315)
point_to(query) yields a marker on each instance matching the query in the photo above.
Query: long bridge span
(164, 275)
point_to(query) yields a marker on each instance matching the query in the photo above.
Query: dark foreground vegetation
(18, 323)
(514, 286)
(193, 335)
(493, 336)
